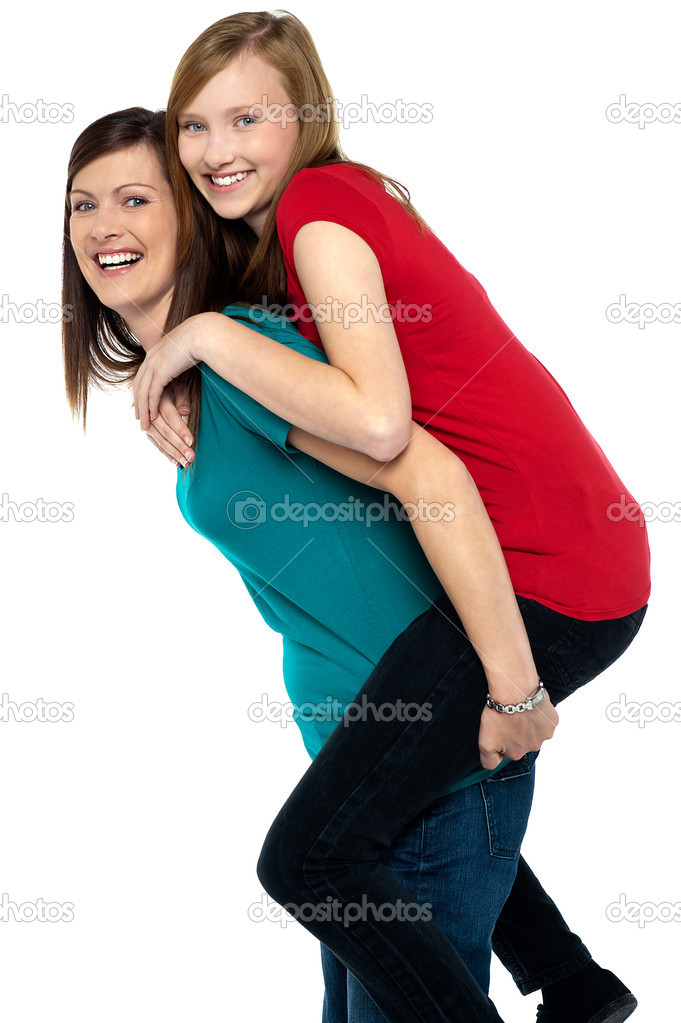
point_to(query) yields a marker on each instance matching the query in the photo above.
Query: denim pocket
(507, 797)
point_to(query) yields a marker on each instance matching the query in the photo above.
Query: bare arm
(360, 399)
(465, 554)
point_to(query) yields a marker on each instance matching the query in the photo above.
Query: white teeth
(230, 180)
(117, 258)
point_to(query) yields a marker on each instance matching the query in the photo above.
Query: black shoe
(614, 1012)
(615, 1006)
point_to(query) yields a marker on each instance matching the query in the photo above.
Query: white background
(148, 810)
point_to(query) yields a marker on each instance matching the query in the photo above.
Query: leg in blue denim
(354, 801)
(371, 778)
(466, 882)
(335, 1008)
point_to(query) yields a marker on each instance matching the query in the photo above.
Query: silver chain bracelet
(531, 703)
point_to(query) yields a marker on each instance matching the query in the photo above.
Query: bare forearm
(316, 396)
(463, 550)
(466, 556)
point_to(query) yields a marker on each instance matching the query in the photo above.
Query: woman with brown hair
(431, 658)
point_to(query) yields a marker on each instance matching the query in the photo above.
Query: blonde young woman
(300, 224)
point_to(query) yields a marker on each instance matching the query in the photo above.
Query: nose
(105, 225)
(219, 151)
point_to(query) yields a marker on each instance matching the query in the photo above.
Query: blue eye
(247, 117)
(193, 127)
(78, 207)
(136, 199)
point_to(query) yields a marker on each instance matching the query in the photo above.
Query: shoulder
(273, 324)
(334, 186)
(341, 175)
(232, 407)
(342, 194)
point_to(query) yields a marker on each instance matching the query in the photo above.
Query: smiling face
(237, 160)
(123, 230)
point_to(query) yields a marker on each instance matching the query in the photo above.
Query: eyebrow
(130, 184)
(228, 111)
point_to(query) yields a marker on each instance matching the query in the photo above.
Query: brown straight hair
(278, 37)
(98, 348)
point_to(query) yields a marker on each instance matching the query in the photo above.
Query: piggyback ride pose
(302, 225)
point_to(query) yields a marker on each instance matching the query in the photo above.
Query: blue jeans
(465, 881)
(372, 777)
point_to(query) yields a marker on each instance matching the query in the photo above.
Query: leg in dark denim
(573, 653)
(370, 779)
(351, 805)
(521, 942)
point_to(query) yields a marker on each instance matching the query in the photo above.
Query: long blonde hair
(278, 37)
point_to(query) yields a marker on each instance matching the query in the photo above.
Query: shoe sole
(617, 1011)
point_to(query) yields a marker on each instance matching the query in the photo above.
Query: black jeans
(372, 776)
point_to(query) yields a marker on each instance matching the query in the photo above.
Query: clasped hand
(512, 735)
(165, 361)
(160, 399)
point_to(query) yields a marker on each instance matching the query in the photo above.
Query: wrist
(504, 690)
(532, 701)
(207, 330)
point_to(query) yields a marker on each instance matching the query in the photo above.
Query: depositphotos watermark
(332, 310)
(630, 511)
(643, 114)
(644, 313)
(333, 709)
(38, 112)
(246, 509)
(34, 710)
(643, 713)
(35, 912)
(35, 511)
(335, 910)
(34, 312)
(643, 913)
(364, 111)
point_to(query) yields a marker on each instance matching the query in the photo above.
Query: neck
(147, 324)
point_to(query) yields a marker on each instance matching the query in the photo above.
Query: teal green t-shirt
(333, 565)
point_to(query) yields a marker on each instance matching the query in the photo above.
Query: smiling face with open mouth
(235, 147)
(123, 232)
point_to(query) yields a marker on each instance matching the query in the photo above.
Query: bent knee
(280, 867)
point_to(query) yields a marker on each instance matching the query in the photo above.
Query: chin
(116, 300)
